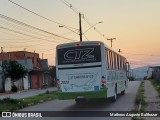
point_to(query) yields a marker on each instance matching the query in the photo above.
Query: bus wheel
(114, 98)
(80, 100)
(123, 92)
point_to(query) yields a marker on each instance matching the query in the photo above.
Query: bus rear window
(79, 54)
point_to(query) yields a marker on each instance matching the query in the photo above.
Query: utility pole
(42, 56)
(1, 49)
(119, 51)
(80, 27)
(111, 39)
(3, 75)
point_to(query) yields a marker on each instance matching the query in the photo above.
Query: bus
(88, 70)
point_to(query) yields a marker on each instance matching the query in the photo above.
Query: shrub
(14, 88)
(47, 92)
(9, 100)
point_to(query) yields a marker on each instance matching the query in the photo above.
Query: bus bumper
(102, 93)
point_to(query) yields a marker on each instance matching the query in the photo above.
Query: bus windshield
(79, 54)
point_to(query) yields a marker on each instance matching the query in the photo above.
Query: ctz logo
(79, 54)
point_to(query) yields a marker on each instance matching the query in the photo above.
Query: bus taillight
(77, 45)
(103, 83)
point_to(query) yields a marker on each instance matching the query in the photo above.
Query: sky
(134, 23)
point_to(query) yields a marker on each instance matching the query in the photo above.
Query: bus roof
(82, 43)
(87, 43)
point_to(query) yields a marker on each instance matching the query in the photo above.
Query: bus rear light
(103, 81)
(77, 45)
(103, 85)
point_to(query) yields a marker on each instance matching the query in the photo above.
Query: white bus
(88, 70)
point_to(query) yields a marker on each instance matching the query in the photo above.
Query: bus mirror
(127, 68)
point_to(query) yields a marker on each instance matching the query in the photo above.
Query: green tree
(52, 73)
(14, 70)
(5, 65)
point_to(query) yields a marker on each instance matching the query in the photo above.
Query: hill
(140, 72)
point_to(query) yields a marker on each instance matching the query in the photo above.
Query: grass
(156, 86)
(9, 104)
(140, 101)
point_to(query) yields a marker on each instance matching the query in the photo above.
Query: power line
(19, 28)
(152, 55)
(86, 37)
(89, 23)
(29, 26)
(19, 40)
(64, 1)
(1, 27)
(39, 44)
(70, 6)
(38, 14)
(84, 17)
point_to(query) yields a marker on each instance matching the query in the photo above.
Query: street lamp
(80, 30)
(92, 26)
(69, 28)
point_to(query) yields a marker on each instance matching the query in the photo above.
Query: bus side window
(118, 65)
(108, 59)
(116, 62)
(112, 59)
(121, 63)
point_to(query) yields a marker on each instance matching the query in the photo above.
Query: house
(154, 72)
(47, 77)
(32, 62)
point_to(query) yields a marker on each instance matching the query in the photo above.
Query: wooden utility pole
(1, 49)
(111, 39)
(80, 27)
(119, 51)
(3, 74)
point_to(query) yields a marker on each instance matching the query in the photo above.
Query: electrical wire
(29, 26)
(39, 15)
(142, 54)
(20, 28)
(84, 17)
(70, 6)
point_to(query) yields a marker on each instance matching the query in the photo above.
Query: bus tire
(114, 98)
(79, 101)
(123, 92)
